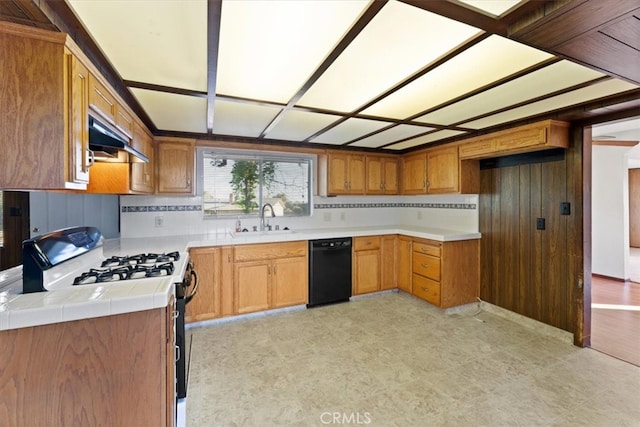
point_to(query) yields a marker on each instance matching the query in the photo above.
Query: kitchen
(342, 209)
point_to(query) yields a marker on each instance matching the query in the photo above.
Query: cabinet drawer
(426, 289)
(269, 251)
(427, 248)
(366, 243)
(426, 265)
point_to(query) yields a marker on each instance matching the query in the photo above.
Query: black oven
(185, 291)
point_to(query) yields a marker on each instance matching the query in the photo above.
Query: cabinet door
(404, 263)
(338, 173)
(375, 175)
(170, 379)
(206, 304)
(101, 100)
(175, 167)
(251, 286)
(366, 271)
(142, 173)
(442, 171)
(414, 174)
(290, 282)
(390, 170)
(78, 136)
(388, 275)
(356, 174)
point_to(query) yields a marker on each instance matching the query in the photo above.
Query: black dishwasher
(329, 271)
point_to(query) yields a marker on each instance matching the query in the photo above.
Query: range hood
(101, 138)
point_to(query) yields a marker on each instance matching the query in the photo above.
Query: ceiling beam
(214, 17)
(460, 13)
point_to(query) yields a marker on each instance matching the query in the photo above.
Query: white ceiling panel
(169, 111)
(596, 91)
(547, 80)
(235, 118)
(299, 125)
(165, 44)
(421, 140)
(349, 130)
(268, 49)
(400, 40)
(390, 135)
(486, 62)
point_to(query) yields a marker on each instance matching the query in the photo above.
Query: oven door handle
(194, 279)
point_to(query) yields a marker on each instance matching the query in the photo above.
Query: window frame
(202, 152)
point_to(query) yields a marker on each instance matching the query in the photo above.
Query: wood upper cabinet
(367, 265)
(101, 100)
(434, 171)
(206, 304)
(175, 165)
(346, 173)
(414, 174)
(403, 263)
(381, 174)
(42, 125)
(270, 275)
(532, 137)
(142, 174)
(443, 171)
(446, 274)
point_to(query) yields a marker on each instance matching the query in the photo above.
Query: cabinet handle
(91, 159)
(346, 185)
(424, 265)
(424, 184)
(188, 181)
(228, 257)
(424, 289)
(177, 353)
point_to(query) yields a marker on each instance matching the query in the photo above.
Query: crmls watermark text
(345, 418)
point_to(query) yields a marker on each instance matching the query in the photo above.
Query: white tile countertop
(74, 303)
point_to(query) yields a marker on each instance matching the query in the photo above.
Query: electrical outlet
(326, 216)
(159, 221)
(419, 214)
(565, 208)
(343, 216)
(540, 224)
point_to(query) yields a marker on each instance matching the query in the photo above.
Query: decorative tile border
(395, 205)
(164, 208)
(196, 208)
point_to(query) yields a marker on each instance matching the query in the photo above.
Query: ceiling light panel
(400, 40)
(160, 42)
(492, 7)
(586, 94)
(169, 111)
(390, 135)
(552, 78)
(299, 125)
(488, 61)
(425, 139)
(349, 130)
(236, 118)
(268, 49)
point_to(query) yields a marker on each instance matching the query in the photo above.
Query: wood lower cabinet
(175, 165)
(111, 371)
(206, 304)
(403, 263)
(446, 274)
(388, 275)
(271, 275)
(367, 265)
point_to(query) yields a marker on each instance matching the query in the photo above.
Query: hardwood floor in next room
(615, 318)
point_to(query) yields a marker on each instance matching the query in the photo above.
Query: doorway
(14, 228)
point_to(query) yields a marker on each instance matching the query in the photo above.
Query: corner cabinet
(434, 171)
(175, 166)
(43, 132)
(270, 275)
(446, 274)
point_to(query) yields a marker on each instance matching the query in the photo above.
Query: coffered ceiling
(385, 75)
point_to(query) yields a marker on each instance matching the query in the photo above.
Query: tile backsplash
(146, 216)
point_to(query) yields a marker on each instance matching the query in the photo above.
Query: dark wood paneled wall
(526, 270)
(16, 227)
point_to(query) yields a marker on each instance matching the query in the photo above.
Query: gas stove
(74, 256)
(130, 267)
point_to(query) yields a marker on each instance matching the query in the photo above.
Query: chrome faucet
(273, 214)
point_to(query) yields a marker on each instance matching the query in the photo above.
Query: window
(237, 184)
